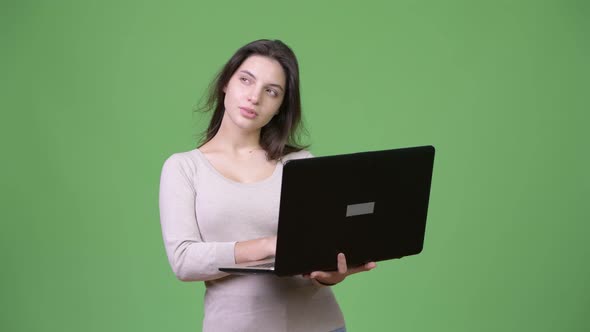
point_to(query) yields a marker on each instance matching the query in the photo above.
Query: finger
(342, 268)
(367, 267)
(371, 265)
(320, 274)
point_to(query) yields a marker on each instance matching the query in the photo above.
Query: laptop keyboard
(271, 264)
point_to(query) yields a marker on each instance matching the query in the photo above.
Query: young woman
(219, 203)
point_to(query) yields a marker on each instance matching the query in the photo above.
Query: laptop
(372, 206)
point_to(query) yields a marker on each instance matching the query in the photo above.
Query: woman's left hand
(329, 278)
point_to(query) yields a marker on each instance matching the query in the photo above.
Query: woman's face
(254, 93)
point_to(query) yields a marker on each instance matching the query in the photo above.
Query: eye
(245, 79)
(273, 93)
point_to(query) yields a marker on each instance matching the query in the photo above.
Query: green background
(95, 95)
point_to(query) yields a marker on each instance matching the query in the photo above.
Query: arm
(254, 250)
(191, 259)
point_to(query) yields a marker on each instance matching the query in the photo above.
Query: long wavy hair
(282, 134)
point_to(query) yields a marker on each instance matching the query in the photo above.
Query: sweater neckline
(234, 182)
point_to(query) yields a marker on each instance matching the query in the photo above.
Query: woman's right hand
(255, 250)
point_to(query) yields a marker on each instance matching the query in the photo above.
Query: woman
(219, 203)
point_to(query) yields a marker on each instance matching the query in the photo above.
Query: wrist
(270, 246)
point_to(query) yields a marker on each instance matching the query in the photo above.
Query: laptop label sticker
(360, 209)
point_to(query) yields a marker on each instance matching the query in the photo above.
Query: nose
(254, 96)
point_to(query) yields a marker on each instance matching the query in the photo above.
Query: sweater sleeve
(190, 257)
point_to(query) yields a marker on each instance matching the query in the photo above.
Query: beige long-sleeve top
(203, 214)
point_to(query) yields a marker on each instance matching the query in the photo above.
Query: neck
(232, 138)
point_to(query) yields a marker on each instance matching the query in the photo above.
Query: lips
(248, 112)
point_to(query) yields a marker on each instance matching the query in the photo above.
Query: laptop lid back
(372, 206)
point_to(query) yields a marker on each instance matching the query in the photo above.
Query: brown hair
(281, 135)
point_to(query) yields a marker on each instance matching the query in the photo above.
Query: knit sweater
(203, 214)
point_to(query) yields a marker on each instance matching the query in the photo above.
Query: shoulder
(185, 161)
(302, 154)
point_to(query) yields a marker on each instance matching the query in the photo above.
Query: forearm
(199, 261)
(253, 250)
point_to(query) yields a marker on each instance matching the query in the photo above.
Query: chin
(247, 125)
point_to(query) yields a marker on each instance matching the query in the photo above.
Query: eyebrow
(271, 84)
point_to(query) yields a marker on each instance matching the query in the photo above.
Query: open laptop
(371, 206)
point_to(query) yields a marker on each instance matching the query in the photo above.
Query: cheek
(277, 102)
(225, 101)
(280, 103)
(231, 94)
